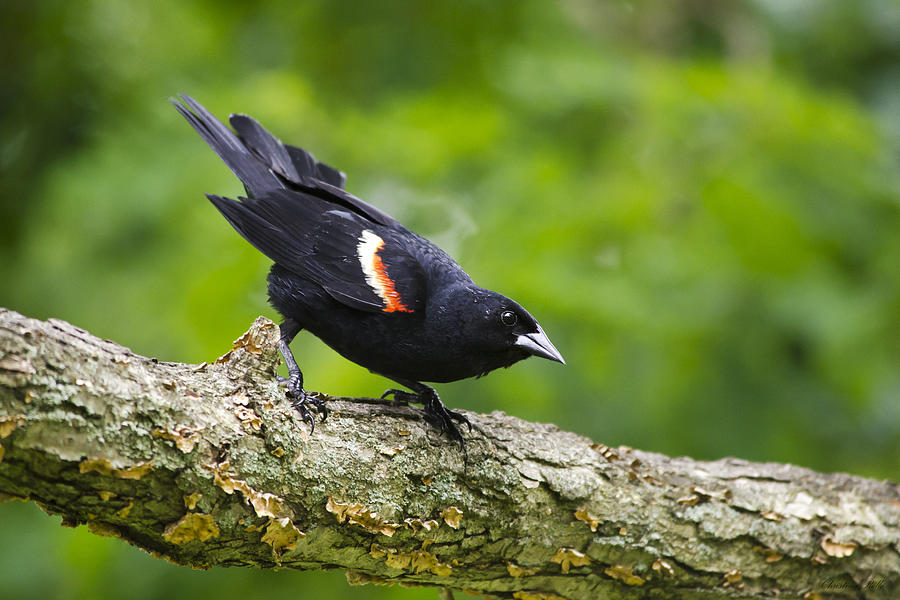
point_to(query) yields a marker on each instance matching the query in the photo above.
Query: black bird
(377, 293)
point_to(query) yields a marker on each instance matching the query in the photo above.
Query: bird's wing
(299, 215)
(358, 262)
(264, 164)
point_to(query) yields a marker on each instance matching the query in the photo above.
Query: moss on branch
(207, 465)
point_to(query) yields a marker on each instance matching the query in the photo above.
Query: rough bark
(208, 465)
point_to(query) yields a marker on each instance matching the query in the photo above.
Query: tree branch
(208, 465)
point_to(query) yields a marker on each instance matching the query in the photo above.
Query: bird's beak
(539, 345)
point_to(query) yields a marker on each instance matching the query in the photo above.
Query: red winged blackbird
(377, 293)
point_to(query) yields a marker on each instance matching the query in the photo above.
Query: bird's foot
(302, 400)
(436, 413)
(401, 396)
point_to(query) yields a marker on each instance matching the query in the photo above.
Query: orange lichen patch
(769, 554)
(358, 514)
(125, 511)
(192, 526)
(605, 451)
(100, 465)
(624, 574)
(417, 524)
(191, 500)
(9, 423)
(425, 561)
(417, 561)
(569, 557)
(515, 570)
(339, 509)
(103, 466)
(689, 500)
(662, 566)
(185, 437)
(252, 528)
(282, 535)
(263, 503)
(705, 495)
(452, 516)
(582, 514)
(135, 472)
(251, 341)
(249, 419)
(837, 549)
(732, 577)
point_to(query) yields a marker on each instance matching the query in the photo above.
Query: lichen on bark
(208, 465)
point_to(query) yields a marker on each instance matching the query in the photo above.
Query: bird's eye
(508, 318)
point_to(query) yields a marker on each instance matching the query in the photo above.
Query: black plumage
(377, 293)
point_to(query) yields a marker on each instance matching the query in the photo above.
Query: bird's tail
(253, 173)
(293, 164)
(258, 158)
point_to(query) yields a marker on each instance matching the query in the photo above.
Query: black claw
(438, 415)
(301, 401)
(319, 403)
(460, 417)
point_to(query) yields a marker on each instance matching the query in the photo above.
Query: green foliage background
(699, 200)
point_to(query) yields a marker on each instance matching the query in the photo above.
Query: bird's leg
(435, 412)
(300, 399)
(401, 396)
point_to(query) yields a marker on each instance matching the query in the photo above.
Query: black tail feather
(292, 163)
(327, 174)
(255, 176)
(268, 148)
(266, 166)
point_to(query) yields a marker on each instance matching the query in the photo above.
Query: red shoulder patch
(368, 250)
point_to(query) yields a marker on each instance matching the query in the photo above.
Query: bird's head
(497, 324)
